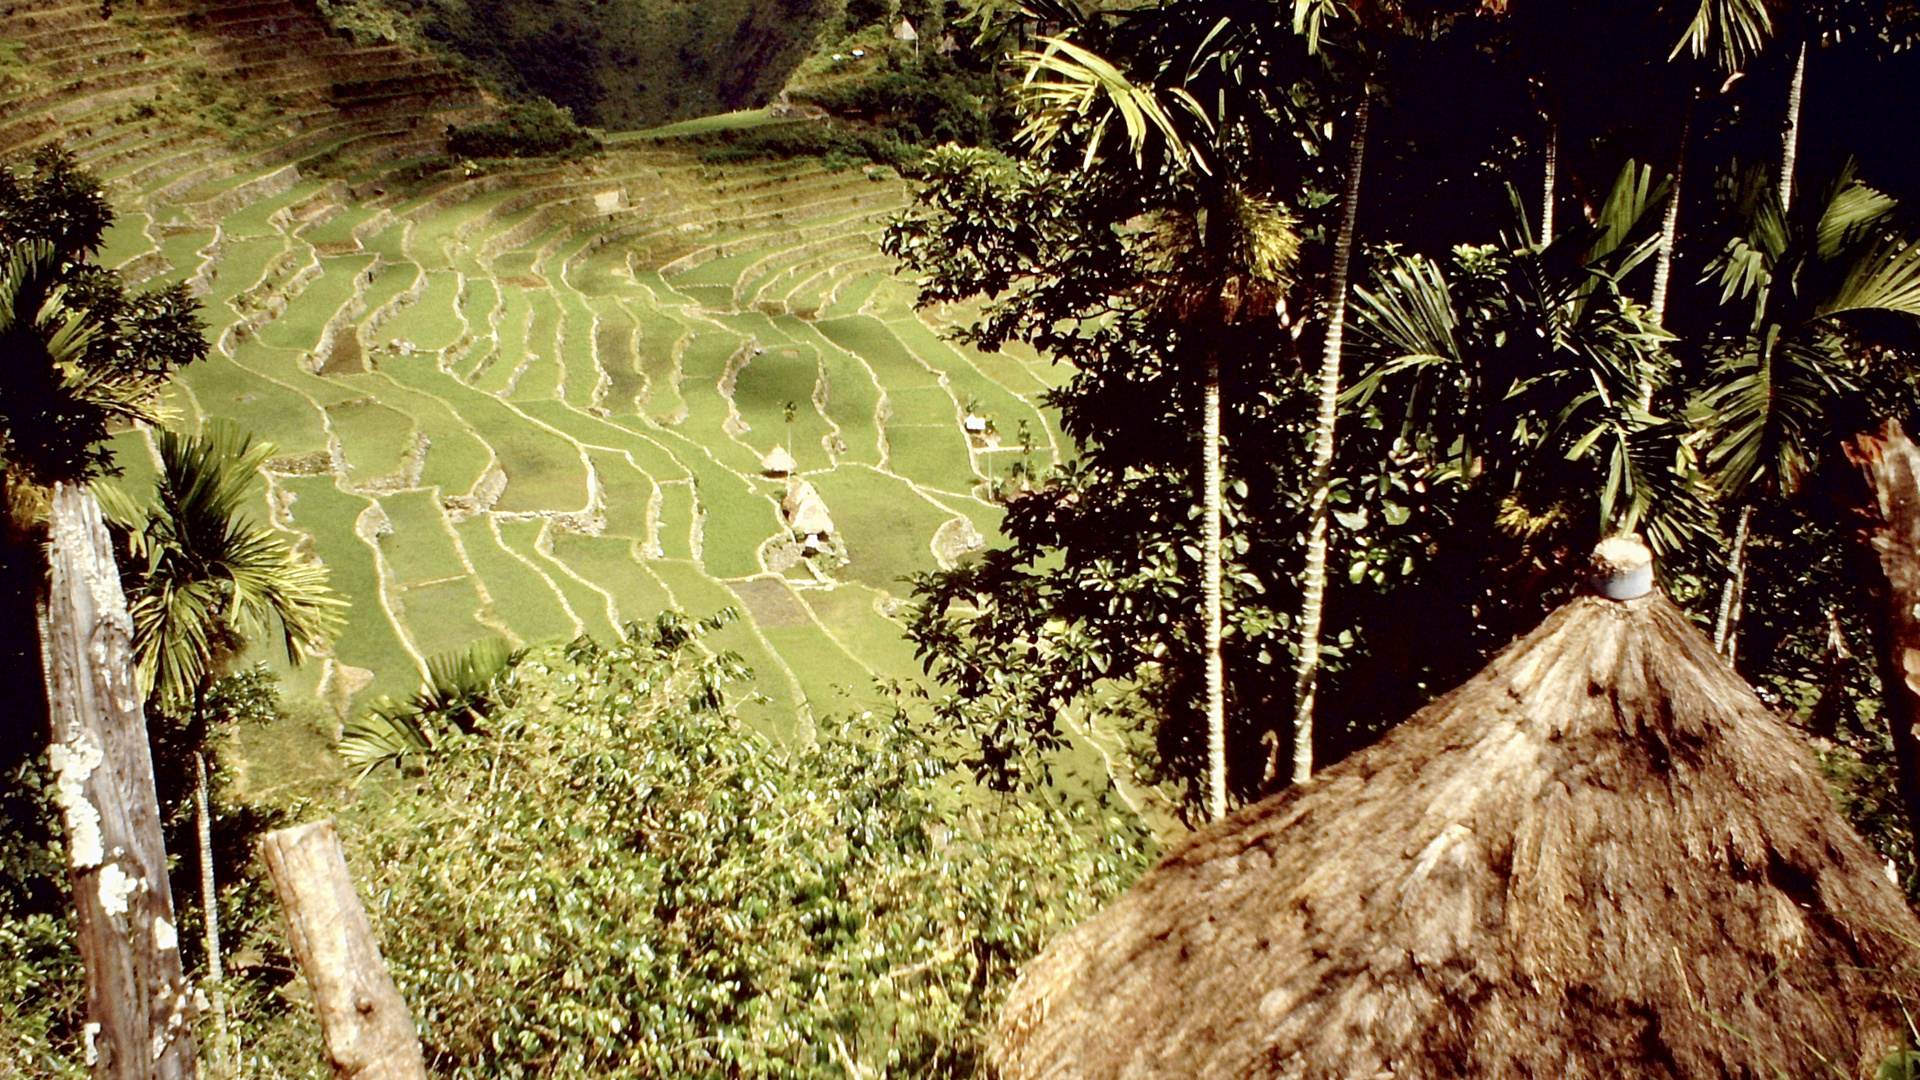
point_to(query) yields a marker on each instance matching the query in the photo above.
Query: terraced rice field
(534, 402)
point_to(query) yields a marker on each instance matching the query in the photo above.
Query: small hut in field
(1600, 857)
(777, 462)
(806, 514)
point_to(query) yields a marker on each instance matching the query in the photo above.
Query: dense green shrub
(930, 103)
(840, 146)
(539, 129)
(616, 883)
(42, 997)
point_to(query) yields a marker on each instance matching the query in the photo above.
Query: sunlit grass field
(535, 404)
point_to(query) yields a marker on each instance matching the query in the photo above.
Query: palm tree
(1809, 271)
(1223, 259)
(1743, 26)
(202, 580)
(1315, 20)
(1313, 593)
(1526, 370)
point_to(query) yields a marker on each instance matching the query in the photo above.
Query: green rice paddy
(502, 415)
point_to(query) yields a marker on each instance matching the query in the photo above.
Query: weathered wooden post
(365, 1022)
(139, 1005)
(1892, 465)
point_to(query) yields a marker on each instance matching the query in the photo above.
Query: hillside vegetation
(520, 380)
(732, 659)
(530, 400)
(619, 64)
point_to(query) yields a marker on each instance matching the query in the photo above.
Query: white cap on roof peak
(1622, 567)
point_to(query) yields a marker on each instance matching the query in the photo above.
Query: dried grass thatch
(806, 511)
(777, 461)
(1600, 857)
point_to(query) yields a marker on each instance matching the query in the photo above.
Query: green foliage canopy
(615, 881)
(77, 352)
(537, 129)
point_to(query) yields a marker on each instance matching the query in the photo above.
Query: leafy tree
(77, 354)
(1100, 588)
(621, 878)
(537, 129)
(1172, 122)
(1526, 371)
(80, 353)
(1225, 261)
(43, 341)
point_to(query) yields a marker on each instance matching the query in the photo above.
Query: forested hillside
(615, 63)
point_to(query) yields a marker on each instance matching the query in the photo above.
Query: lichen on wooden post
(368, 1030)
(140, 1007)
(1892, 466)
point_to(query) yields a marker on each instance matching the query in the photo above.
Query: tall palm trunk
(1725, 626)
(1790, 139)
(1670, 224)
(1732, 597)
(209, 894)
(1314, 591)
(1213, 479)
(1550, 182)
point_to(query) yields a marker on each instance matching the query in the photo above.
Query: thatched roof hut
(806, 511)
(778, 462)
(1600, 857)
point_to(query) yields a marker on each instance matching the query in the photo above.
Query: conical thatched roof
(1601, 857)
(777, 461)
(806, 511)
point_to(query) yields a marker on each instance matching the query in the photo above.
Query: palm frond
(1408, 314)
(1762, 411)
(1850, 212)
(1628, 209)
(1647, 476)
(1086, 86)
(1747, 265)
(27, 277)
(1732, 31)
(1885, 278)
(389, 732)
(461, 689)
(202, 572)
(1311, 19)
(175, 632)
(26, 267)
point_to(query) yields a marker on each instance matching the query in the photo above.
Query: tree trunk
(139, 1004)
(1314, 590)
(1726, 627)
(1551, 182)
(1892, 465)
(1670, 228)
(368, 1031)
(1212, 481)
(1790, 139)
(210, 911)
(1733, 598)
